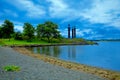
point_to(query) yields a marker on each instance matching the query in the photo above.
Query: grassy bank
(19, 42)
(12, 42)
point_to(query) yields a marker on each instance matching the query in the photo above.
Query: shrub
(11, 68)
(55, 40)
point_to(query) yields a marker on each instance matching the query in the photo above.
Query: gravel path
(34, 69)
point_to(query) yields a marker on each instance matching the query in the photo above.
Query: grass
(19, 42)
(77, 40)
(36, 42)
(11, 68)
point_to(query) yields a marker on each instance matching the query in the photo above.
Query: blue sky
(94, 19)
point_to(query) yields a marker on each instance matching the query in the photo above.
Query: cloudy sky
(94, 19)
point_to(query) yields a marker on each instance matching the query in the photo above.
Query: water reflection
(55, 51)
(105, 55)
(71, 52)
(47, 50)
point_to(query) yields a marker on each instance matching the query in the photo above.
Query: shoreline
(111, 75)
(50, 44)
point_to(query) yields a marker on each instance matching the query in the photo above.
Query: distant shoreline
(107, 40)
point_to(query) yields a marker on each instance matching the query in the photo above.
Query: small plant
(11, 68)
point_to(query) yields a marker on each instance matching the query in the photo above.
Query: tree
(18, 36)
(48, 30)
(7, 29)
(0, 32)
(28, 31)
(40, 30)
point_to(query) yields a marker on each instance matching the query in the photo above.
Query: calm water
(105, 55)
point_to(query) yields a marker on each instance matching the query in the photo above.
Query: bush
(11, 68)
(55, 40)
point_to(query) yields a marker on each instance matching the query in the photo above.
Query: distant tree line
(46, 31)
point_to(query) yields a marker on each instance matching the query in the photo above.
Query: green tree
(18, 36)
(40, 30)
(7, 29)
(48, 30)
(28, 31)
(0, 32)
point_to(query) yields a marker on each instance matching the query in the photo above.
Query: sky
(94, 19)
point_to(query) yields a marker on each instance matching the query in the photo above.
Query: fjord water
(105, 55)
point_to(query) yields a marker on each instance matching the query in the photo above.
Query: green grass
(78, 40)
(19, 42)
(34, 42)
(11, 68)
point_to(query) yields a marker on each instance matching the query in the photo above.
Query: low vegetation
(78, 41)
(19, 42)
(11, 68)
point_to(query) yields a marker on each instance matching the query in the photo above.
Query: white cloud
(33, 10)
(83, 32)
(57, 8)
(100, 11)
(103, 11)
(116, 23)
(64, 32)
(95, 11)
(60, 9)
(18, 28)
(88, 34)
